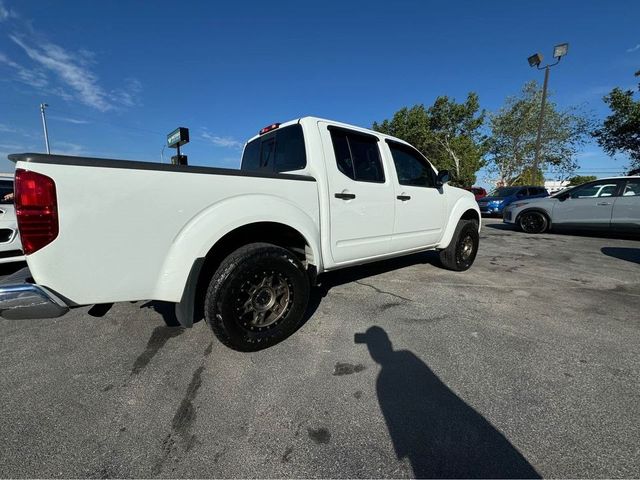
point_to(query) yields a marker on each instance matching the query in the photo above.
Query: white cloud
(129, 95)
(34, 77)
(5, 13)
(226, 142)
(11, 146)
(633, 49)
(6, 128)
(69, 75)
(74, 121)
(68, 148)
(70, 69)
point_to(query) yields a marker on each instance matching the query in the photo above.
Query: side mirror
(443, 177)
(563, 197)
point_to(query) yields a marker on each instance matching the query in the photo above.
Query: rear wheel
(533, 222)
(257, 297)
(462, 251)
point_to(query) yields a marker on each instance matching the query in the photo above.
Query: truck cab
(381, 197)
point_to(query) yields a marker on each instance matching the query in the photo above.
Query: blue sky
(120, 75)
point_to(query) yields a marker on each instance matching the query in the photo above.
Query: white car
(10, 246)
(607, 204)
(240, 247)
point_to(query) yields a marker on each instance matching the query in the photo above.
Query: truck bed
(130, 230)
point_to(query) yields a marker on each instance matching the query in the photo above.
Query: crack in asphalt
(360, 282)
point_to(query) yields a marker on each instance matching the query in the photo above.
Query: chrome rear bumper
(22, 300)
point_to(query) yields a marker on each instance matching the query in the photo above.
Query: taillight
(36, 210)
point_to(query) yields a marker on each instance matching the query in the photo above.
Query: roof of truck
(310, 119)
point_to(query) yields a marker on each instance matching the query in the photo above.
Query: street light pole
(535, 60)
(536, 159)
(44, 125)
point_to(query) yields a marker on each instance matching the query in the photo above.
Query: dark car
(478, 192)
(502, 196)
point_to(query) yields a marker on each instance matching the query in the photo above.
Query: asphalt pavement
(527, 365)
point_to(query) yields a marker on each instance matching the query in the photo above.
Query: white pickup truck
(240, 248)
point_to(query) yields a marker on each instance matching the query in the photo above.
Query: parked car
(478, 192)
(497, 200)
(238, 247)
(606, 204)
(10, 246)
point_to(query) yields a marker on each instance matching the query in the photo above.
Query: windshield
(504, 192)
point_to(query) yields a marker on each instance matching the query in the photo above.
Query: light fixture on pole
(535, 60)
(44, 125)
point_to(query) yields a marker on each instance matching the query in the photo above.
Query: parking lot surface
(526, 365)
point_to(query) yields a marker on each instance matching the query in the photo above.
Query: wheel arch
(190, 306)
(534, 209)
(225, 226)
(464, 209)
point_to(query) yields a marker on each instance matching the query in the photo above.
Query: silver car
(607, 204)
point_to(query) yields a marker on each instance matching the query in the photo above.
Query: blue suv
(503, 196)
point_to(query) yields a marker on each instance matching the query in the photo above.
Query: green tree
(513, 137)
(528, 176)
(580, 179)
(620, 131)
(447, 133)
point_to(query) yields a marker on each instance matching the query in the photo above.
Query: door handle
(345, 196)
(600, 204)
(404, 198)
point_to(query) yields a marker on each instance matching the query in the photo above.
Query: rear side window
(411, 167)
(281, 150)
(632, 189)
(357, 156)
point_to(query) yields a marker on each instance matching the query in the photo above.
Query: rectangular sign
(178, 137)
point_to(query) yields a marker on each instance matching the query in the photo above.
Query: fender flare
(203, 231)
(460, 208)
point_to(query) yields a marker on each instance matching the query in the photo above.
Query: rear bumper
(12, 256)
(21, 300)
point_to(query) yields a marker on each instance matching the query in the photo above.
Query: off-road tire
(228, 296)
(457, 256)
(533, 222)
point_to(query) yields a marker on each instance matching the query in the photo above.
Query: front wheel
(533, 222)
(257, 297)
(462, 250)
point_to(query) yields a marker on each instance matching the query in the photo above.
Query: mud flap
(185, 309)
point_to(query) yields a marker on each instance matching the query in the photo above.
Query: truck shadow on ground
(440, 435)
(329, 280)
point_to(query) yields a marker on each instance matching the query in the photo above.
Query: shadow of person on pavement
(436, 430)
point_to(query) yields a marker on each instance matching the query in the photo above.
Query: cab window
(281, 150)
(357, 155)
(411, 167)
